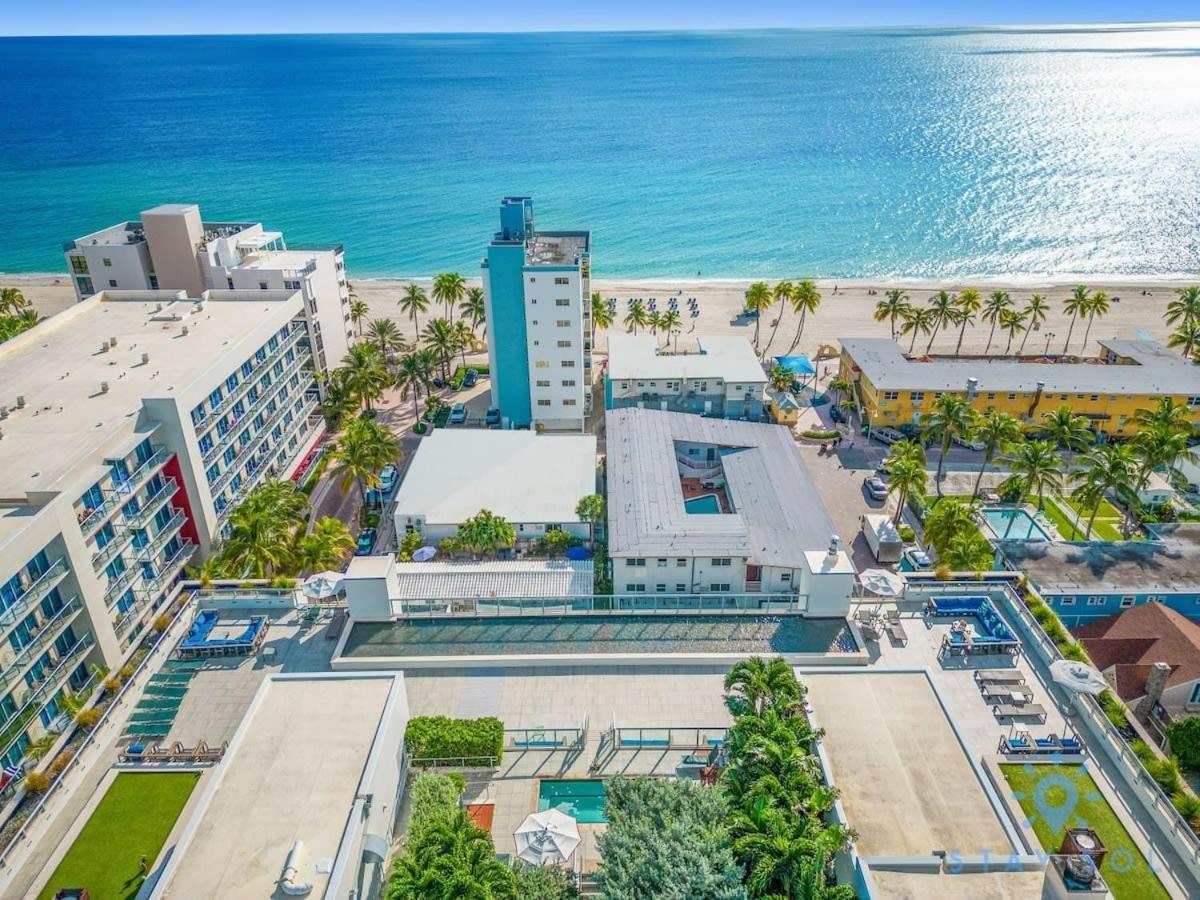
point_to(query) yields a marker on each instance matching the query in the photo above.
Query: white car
(970, 445)
(387, 478)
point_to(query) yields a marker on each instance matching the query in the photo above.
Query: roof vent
(145, 359)
(3, 412)
(185, 331)
(112, 342)
(104, 387)
(158, 307)
(20, 401)
(835, 543)
(104, 346)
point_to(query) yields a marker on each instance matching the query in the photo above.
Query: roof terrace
(556, 248)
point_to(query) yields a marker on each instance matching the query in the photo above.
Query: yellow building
(894, 389)
(785, 409)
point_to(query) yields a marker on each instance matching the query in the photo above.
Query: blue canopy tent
(801, 369)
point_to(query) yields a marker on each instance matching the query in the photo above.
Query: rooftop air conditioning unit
(185, 331)
(112, 342)
(20, 401)
(104, 387)
(145, 359)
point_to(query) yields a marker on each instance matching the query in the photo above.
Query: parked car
(387, 479)
(875, 488)
(886, 435)
(917, 560)
(836, 413)
(970, 445)
(365, 543)
(492, 418)
(458, 413)
(470, 378)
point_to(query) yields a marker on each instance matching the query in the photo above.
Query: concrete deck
(925, 886)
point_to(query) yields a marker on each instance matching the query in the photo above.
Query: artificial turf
(1128, 874)
(132, 820)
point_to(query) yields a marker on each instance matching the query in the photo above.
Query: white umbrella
(882, 582)
(322, 585)
(546, 838)
(425, 554)
(1077, 677)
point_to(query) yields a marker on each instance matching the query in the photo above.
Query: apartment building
(723, 378)
(537, 296)
(895, 389)
(171, 248)
(130, 425)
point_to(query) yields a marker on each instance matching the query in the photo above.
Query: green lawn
(1061, 522)
(132, 820)
(1134, 881)
(1107, 526)
(1106, 511)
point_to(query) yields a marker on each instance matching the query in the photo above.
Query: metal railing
(104, 555)
(170, 568)
(256, 442)
(122, 490)
(117, 585)
(45, 583)
(670, 738)
(15, 724)
(249, 381)
(717, 603)
(170, 528)
(49, 630)
(153, 503)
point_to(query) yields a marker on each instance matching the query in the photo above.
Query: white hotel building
(170, 247)
(130, 425)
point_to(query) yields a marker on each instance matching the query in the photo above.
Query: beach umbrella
(547, 838)
(425, 554)
(1077, 677)
(322, 585)
(882, 582)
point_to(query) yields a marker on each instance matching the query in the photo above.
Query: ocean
(834, 153)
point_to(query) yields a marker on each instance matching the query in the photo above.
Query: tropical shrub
(1184, 738)
(666, 838)
(37, 782)
(435, 798)
(60, 762)
(554, 543)
(438, 737)
(87, 718)
(545, 882)
(451, 859)
(814, 434)
(906, 534)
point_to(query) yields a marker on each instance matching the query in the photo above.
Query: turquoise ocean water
(926, 153)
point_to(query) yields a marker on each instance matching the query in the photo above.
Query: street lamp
(1049, 338)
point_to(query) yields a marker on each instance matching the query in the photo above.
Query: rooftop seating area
(990, 635)
(204, 639)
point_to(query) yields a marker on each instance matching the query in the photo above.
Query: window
(543, 403)
(545, 382)
(722, 561)
(1126, 602)
(991, 395)
(1066, 601)
(722, 587)
(262, 285)
(1095, 397)
(681, 563)
(535, 321)
(562, 301)
(559, 279)
(107, 262)
(564, 344)
(112, 282)
(541, 364)
(1193, 401)
(568, 363)
(786, 576)
(891, 395)
(662, 562)
(917, 396)
(563, 323)
(680, 587)
(635, 588)
(1095, 601)
(660, 588)
(568, 382)
(569, 403)
(79, 265)
(635, 562)
(1195, 694)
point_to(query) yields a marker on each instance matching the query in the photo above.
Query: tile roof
(1128, 644)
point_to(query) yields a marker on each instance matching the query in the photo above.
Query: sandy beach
(846, 313)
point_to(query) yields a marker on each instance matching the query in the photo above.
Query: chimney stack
(1156, 683)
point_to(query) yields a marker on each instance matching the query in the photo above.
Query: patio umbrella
(425, 554)
(322, 585)
(1077, 677)
(882, 582)
(546, 838)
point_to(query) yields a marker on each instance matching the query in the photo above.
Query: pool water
(581, 799)
(585, 634)
(1023, 526)
(707, 505)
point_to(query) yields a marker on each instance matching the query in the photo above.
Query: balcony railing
(249, 381)
(256, 442)
(153, 504)
(17, 722)
(117, 585)
(122, 490)
(169, 569)
(49, 630)
(104, 556)
(169, 530)
(287, 373)
(34, 593)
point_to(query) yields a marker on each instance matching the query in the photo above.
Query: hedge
(437, 737)
(818, 435)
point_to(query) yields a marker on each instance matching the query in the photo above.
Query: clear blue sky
(24, 17)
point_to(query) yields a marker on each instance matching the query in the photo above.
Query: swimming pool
(705, 505)
(1023, 526)
(581, 799)
(586, 634)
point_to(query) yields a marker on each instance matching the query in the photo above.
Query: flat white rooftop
(59, 369)
(520, 475)
(290, 774)
(729, 358)
(280, 259)
(495, 578)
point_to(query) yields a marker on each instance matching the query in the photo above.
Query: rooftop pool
(587, 634)
(1015, 525)
(581, 799)
(705, 505)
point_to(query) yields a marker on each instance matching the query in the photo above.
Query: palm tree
(918, 320)
(12, 301)
(950, 418)
(671, 323)
(385, 335)
(805, 300)
(967, 304)
(758, 301)
(448, 289)
(1076, 305)
(1013, 321)
(360, 452)
(358, 312)
(1066, 430)
(1186, 336)
(907, 474)
(653, 320)
(1036, 467)
(1107, 468)
(842, 387)
(592, 509)
(894, 306)
(947, 520)
(636, 317)
(325, 547)
(780, 851)
(364, 373)
(1185, 308)
(413, 375)
(439, 338)
(462, 339)
(942, 312)
(602, 317)
(1098, 305)
(339, 402)
(261, 529)
(998, 303)
(486, 531)
(474, 309)
(414, 300)
(1037, 309)
(779, 379)
(1165, 414)
(756, 684)
(454, 859)
(782, 292)
(998, 431)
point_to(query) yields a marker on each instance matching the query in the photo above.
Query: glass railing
(169, 569)
(122, 490)
(223, 441)
(256, 442)
(117, 585)
(41, 691)
(169, 529)
(45, 583)
(104, 556)
(153, 504)
(49, 630)
(249, 381)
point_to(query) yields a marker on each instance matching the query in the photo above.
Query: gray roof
(778, 512)
(1170, 564)
(1151, 369)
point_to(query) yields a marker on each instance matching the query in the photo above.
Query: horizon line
(995, 26)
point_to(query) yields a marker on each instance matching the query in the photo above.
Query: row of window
(680, 588)
(247, 368)
(680, 563)
(545, 382)
(1126, 601)
(919, 396)
(568, 402)
(545, 364)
